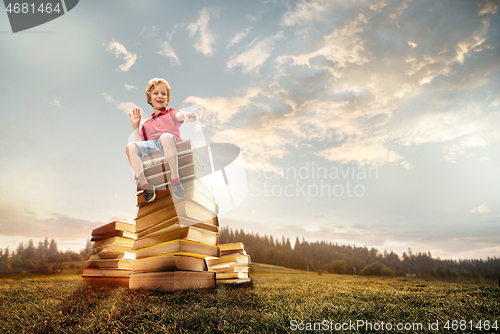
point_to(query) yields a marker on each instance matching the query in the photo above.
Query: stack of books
(233, 264)
(110, 262)
(174, 236)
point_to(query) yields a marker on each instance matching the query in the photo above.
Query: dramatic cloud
(220, 110)
(121, 52)
(168, 51)
(206, 39)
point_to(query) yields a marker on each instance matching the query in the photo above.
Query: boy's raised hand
(135, 118)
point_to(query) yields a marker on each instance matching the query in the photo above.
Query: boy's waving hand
(135, 118)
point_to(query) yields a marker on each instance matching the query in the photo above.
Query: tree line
(318, 256)
(45, 258)
(322, 256)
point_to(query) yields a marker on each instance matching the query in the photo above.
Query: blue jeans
(149, 146)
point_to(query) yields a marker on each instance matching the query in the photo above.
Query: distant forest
(319, 256)
(346, 259)
(45, 258)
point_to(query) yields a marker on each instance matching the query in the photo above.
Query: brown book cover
(118, 241)
(232, 246)
(172, 280)
(184, 171)
(112, 281)
(124, 234)
(108, 263)
(234, 280)
(231, 269)
(186, 208)
(111, 249)
(179, 222)
(236, 258)
(233, 251)
(163, 190)
(96, 272)
(231, 275)
(186, 233)
(115, 254)
(163, 166)
(114, 226)
(227, 266)
(178, 246)
(169, 262)
(191, 194)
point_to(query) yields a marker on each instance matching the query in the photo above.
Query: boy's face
(159, 97)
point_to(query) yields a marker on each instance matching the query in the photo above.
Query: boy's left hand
(190, 117)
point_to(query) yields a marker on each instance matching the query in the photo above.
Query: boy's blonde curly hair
(152, 84)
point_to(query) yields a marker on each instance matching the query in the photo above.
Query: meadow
(285, 301)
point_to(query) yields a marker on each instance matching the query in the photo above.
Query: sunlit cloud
(168, 51)
(121, 52)
(480, 209)
(239, 37)
(126, 107)
(253, 57)
(206, 38)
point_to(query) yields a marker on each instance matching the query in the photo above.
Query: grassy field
(275, 303)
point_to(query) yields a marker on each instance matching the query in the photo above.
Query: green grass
(260, 268)
(62, 305)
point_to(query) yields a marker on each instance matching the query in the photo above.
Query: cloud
(168, 51)
(480, 209)
(384, 79)
(460, 243)
(206, 39)
(239, 36)
(28, 224)
(220, 110)
(126, 107)
(343, 46)
(56, 103)
(129, 87)
(364, 154)
(304, 12)
(254, 56)
(120, 51)
(487, 7)
(170, 34)
(108, 98)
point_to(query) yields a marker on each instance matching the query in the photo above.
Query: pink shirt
(165, 121)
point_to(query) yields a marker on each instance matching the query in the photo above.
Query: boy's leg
(133, 154)
(170, 151)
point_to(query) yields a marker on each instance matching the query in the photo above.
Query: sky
(369, 123)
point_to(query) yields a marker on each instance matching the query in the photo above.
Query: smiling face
(159, 97)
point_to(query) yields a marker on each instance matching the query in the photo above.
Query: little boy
(160, 132)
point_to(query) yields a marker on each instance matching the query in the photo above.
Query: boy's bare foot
(149, 194)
